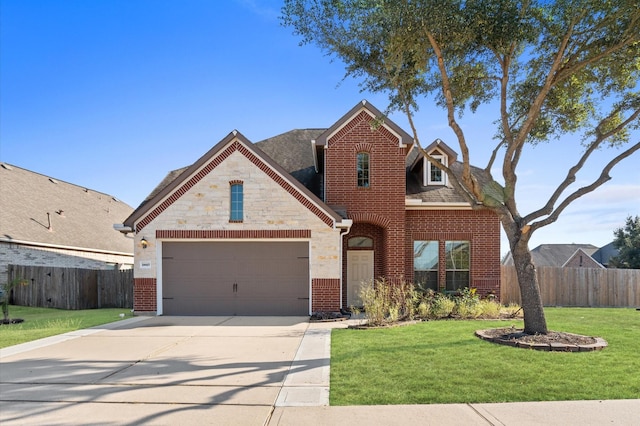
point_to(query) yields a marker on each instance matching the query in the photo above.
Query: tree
(5, 295)
(627, 241)
(549, 68)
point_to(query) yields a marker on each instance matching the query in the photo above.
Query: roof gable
(558, 254)
(584, 257)
(188, 177)
(41, 210)
(404, 139)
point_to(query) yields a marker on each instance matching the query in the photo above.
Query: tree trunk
(534, 319)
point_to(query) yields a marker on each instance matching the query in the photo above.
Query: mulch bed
(552, 341)
(11, 321)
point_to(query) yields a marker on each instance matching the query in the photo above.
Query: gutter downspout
(344, 225)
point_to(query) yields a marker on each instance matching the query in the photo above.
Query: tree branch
(603, 178)
(571, 174)
(467, 180)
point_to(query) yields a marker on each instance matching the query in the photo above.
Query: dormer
(431, 174)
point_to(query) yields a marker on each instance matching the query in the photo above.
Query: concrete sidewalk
(565, 413)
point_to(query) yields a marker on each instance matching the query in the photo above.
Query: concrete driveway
(167, 370)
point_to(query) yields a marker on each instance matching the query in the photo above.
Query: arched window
(360, 242)
(363, 169)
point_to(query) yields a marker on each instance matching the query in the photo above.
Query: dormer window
(432, 174)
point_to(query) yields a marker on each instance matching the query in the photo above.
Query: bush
(467, 304)
(441, 306)
(387, 303)
(489, 309)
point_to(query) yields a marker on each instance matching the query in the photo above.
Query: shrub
(441, 306)
(489, 309)
(467, 304)
(386, 303)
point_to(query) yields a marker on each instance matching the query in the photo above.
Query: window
(432, 174)
(363, 170)
(425, 264)
(457, 254)
(360, 242)
(237, 203)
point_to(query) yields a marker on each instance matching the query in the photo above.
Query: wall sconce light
(144, 243)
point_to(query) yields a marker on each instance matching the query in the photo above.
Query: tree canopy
(627, 241)
(549, 68)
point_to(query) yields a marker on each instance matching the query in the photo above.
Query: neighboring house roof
(604, 254)
(41, 210)
(179, 181)
(555, 254)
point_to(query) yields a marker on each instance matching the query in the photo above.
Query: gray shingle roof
(293, 152)
(39, 209)
(558, 254)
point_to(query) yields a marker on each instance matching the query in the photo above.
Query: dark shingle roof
(293, 152)
(605, 253)
(558, 254)
(77, 216)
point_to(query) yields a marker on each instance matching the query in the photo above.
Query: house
(296, 223)
(567, 256)
(604, 254)
(48, 222)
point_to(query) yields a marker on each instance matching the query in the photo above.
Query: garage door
(235, 278)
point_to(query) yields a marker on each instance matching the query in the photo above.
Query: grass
(45, 322)
(443, 362)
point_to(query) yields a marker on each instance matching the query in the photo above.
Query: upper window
(432, 174)
(237, 203)
(425, 264)
(363, 170)
(458, 258)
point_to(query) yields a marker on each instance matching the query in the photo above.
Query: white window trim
(426, 170)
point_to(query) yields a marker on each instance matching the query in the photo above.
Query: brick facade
(582, 260)
(196, 207)
(480, 227)
(326, 294)
(381, 204)
(144, 296)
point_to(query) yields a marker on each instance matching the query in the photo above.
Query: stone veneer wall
(271, 210)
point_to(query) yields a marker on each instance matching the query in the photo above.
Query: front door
(359, 272)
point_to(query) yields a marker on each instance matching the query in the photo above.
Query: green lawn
(45, 322)
(443, 362)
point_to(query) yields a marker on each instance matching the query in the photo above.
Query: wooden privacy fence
(71, 288)
(577, 286)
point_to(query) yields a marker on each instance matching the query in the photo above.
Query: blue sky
(113, 94)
